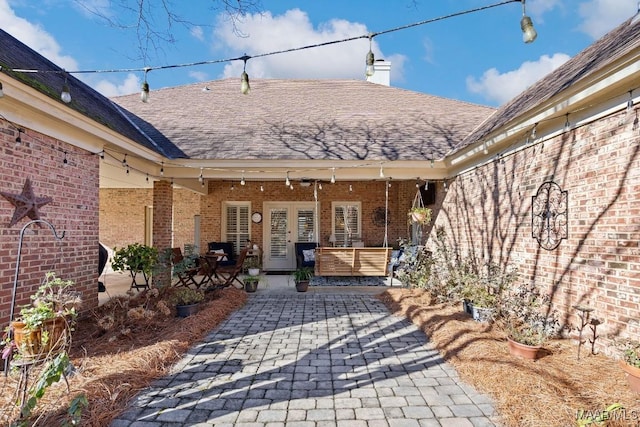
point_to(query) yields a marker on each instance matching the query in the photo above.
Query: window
(346, 222)
(236, 224)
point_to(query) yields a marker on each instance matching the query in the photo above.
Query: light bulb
(287, 182)
(333, 176)
(65, 95)
(144, 93)
(244, 85)
(369, 69)
(529, 33)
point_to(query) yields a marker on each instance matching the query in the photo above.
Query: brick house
(196, 162)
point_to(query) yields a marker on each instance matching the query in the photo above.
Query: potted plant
(187, 301)
(43, 328)
(528, 320)
(251, 283)
(479, 301)
(136, 258)
(302, 276)
(419, 215)
(252, 264)
(630, 362)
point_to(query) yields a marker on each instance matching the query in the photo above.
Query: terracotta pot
(187, 310)
(50, 338)
(633, 375)
(302, 286)
(523, 350)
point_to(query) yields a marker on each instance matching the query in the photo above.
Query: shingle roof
(84, 99)
(606, 50)
(306, 119)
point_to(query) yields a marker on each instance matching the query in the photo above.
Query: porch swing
(355, 261)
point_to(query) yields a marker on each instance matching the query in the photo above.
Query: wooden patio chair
(230, 274)
(186, 277)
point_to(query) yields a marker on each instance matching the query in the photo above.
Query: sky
(477, 57)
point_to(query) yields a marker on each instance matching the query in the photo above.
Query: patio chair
(230, 274)
(186, 276)
(224, 247)
(305, 254)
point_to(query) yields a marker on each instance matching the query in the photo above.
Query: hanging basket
(48, 339)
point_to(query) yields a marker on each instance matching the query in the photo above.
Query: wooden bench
(352, 261)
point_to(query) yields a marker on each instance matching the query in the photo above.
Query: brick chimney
(382, 74)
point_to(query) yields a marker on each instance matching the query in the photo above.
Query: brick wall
(487, 216)
(370, 193)
(74, 211)
(122, 215)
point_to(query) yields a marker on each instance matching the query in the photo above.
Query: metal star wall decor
(26, 203)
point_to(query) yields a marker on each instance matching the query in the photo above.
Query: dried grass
(545, 392)
(112, 366)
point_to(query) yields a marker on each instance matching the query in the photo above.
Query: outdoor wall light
(529, 33)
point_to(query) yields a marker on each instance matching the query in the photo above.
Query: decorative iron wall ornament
(549, 215)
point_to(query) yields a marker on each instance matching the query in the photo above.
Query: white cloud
(503, 87)
(130, 84)
(38, 39)
(34, 36)
(537, 8)
(266, 33)
(199, 75)
(197, 33)
(601, 16)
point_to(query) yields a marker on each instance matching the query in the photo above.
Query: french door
(285, 224)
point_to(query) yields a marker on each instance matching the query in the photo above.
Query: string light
(350, 188)
(319, 185)
(18, 138)
(262, 187)
(124, 161)
(529, 33)
(534, 131)
(147, 178)
(144, 92)
(201, 178)
(333, 176)
(162, 169)
(128, 171)
(426, 185)
(287, 182)
(525, 23)
(381, 171)
(242, 182)
(102, 155)
(630, 102)
(567, 124)
(1, 91)
(370, 60)
(65, 95)
(233, 187)
(244, 79)
(65, 162)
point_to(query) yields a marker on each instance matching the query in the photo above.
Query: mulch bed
(118, 352)
(546, 392)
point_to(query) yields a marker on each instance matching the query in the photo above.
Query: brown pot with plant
(630, 363)
(528, 320)
(43, 328)
(302, 276)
